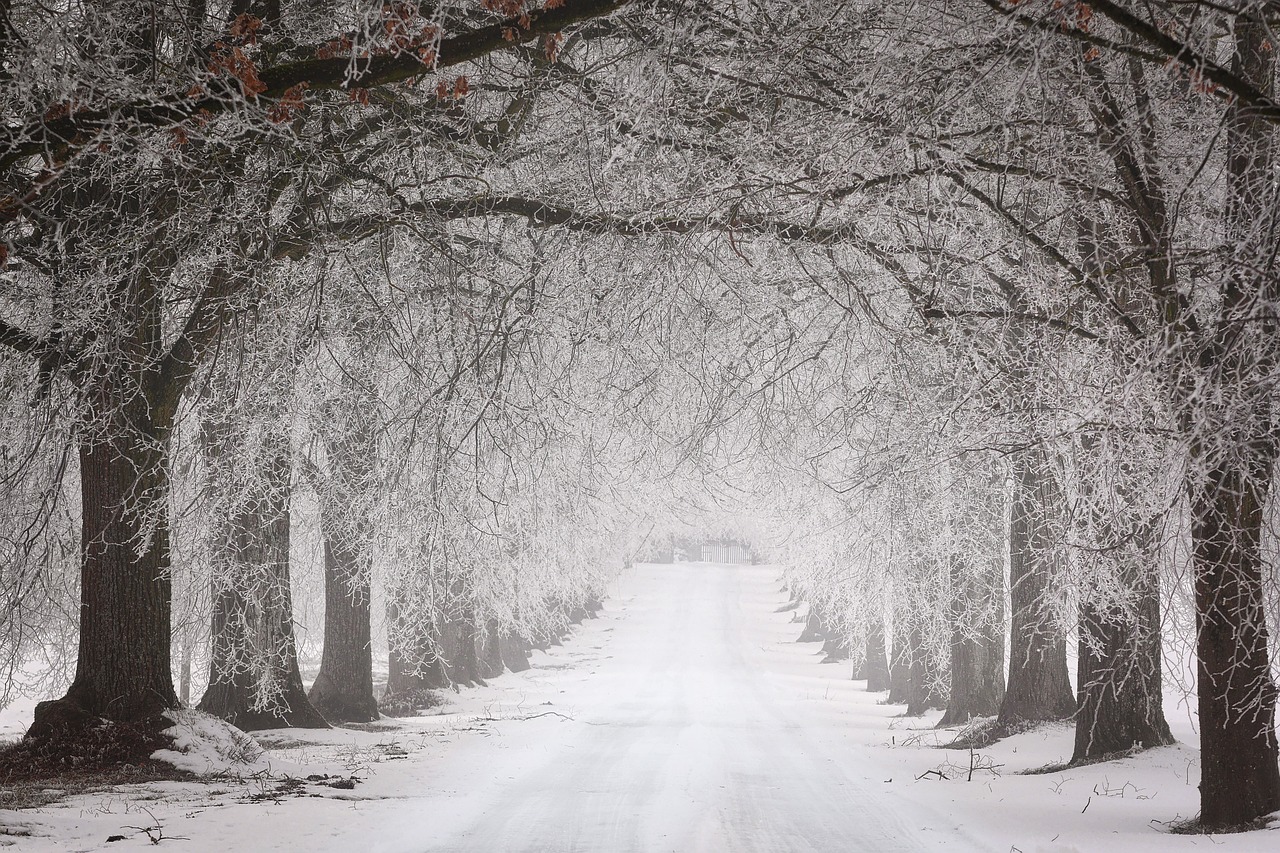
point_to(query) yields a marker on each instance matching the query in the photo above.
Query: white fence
(725, 552)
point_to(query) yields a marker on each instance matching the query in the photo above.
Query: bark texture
(515, 652)
(1039, 687)
(1120, 701)
(1118, 673)
(977, 641)
(412, 672)
(123, 669)
(1240, 780)
(343, 689)
(924, 688)
(900, 667)
(254, 682)
(1234, 457)
(876, 667)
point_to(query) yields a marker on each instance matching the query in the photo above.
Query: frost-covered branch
(1164, 48)
(60, 137)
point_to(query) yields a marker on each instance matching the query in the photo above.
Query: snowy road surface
(680, 741)
(686, 718)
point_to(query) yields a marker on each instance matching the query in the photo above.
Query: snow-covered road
(681, 741)
(685, 718)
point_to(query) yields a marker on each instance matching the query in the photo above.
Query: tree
(343, 689)
(877, 663)
(254, 680)
(976, 600)
(114, 246)
(1234, 450)
(1038, 687)
(1201, 334)
(1120, 700)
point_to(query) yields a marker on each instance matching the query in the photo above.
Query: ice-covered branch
(19, 340)
(80, 130)
(1164, 49)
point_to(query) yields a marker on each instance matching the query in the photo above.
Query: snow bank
(208, 746)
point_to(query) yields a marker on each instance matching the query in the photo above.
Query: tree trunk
(877, 663)
(900, 667)
(343, 689)
(123, 668)
(404, 675)
(1120, 700)
(489, 655)
(1239, 778)
(465, 663)
(923, 690)
(1233, 465)
(515, 652)
(815, 627)
(254, 682)
(977, 641)
(835, 647)
(1039, 687)
(412, 669)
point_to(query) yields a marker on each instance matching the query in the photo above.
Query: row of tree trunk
(457, 652)
(254, 678)
(1117, 706)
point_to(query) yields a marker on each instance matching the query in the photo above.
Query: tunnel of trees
(451, 310)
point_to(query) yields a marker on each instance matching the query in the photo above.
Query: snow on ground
(15, 717)
(685, 718)
(208, 746)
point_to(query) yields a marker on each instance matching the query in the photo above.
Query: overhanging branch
(20, 340)
(1050, 251)
(79, 130)
(1165, 48)
(1042, 319)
